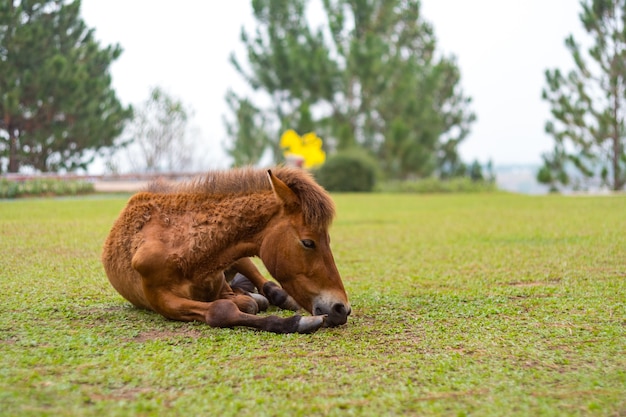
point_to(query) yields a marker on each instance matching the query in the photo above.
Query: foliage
(158, 132)
(249, 138)
(485, 305)
(43, 187)
(589, 104)
(350, 170)
(370, 77)
(436, 185)
(57, 106)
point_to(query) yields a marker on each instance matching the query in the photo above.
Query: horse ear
(282, 191)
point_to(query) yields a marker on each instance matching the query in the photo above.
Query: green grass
(484, 305)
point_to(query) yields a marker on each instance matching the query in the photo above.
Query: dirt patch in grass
(152, 335)
(533, 283)
(121, 394)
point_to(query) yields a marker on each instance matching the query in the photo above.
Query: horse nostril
(340, 309)
(318, 311)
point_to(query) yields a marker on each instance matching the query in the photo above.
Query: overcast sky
(502, 47)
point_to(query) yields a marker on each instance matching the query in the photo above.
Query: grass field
(483, 305)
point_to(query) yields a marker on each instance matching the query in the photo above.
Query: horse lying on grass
(171, 245)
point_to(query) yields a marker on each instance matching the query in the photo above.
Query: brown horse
(171, 245)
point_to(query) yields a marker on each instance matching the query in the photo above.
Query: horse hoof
(279, 297)
(309, 324)
(261, 301)
(290, 304)
(242, 282)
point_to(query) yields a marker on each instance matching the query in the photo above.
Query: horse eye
(308, 243)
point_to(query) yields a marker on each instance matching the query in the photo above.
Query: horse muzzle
(336, 312)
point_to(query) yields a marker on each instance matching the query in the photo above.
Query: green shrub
(43, 187)
(435, 185)
(348, 171)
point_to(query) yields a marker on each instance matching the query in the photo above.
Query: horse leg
(225, 313)
(170, 295)
(274, 293)
(247, 302)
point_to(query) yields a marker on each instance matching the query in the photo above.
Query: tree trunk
(14, 163)
(618, 184)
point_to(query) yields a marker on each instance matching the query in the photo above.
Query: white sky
(502, 47)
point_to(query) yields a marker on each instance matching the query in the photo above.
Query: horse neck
(243, 219)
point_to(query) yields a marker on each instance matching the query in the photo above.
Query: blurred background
(430, 89)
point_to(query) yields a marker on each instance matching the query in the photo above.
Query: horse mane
(318, 208)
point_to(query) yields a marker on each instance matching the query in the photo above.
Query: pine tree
(369, 78)
(588, 104)
(57, 107)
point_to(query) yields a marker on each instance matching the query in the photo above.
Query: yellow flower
(308, 147)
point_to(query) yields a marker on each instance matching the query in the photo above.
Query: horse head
(295, 249)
